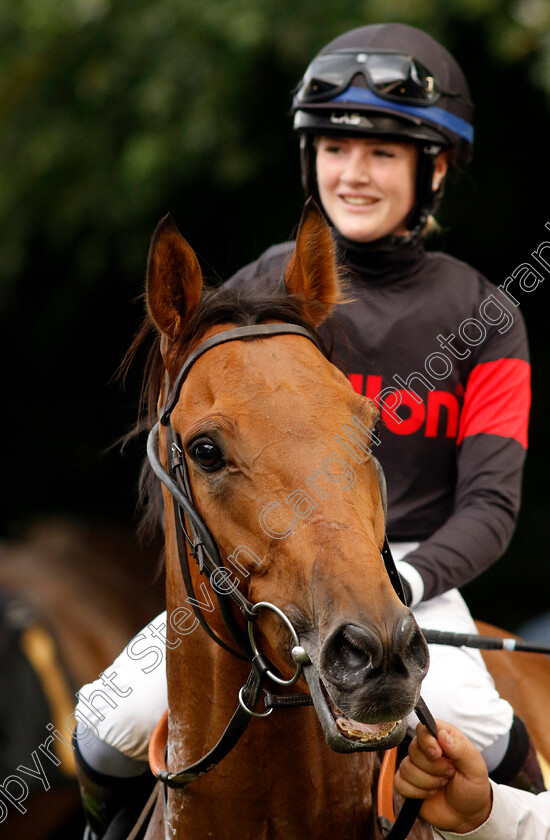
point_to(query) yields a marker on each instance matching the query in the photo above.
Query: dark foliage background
(113, 112)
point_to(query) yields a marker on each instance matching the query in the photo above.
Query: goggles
(390, 75)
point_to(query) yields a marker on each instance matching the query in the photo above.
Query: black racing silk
(444, 354)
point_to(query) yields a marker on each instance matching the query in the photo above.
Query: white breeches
(123, 706)
(458, 687)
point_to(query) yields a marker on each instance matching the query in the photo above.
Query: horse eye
(207, 454)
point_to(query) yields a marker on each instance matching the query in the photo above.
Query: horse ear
(174, 279)
(311, 272)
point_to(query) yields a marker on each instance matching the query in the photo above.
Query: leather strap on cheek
(383, 488)
(387, 556)
(391, 569)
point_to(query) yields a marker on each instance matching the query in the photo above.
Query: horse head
(278, 450)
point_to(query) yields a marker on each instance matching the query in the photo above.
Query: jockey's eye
(207, 454)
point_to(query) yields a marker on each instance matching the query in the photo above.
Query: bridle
(197, 538)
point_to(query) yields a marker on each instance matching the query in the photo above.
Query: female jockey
(382, 113)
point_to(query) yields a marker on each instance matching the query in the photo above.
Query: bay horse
(65, 613)
(250, 409)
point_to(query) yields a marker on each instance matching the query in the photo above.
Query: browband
(238, 333)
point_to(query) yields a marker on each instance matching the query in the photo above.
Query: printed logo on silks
(355, 119)
(438, 414)
(493, 403)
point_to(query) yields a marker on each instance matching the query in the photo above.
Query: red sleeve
(492, 440)
(497, 400)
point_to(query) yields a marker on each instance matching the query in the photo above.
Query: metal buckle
(243, 705)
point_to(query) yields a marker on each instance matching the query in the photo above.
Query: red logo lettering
(440, 412)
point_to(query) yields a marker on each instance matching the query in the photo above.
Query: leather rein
(193, 535)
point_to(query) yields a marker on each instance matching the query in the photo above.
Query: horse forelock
(241, 308)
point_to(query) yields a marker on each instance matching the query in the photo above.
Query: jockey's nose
(357, 169)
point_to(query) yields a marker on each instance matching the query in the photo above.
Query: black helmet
(389, 80)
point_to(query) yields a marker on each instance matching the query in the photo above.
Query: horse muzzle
(362, 689)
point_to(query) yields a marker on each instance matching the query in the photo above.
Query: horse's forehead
(256, 370)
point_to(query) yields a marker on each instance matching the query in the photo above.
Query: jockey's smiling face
(367, 184)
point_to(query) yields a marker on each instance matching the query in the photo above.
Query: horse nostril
(349, 655)
(410, 645)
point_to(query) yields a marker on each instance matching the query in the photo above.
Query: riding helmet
(392, 81)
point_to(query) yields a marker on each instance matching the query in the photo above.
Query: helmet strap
(427, 199)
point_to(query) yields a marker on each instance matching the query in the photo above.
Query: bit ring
(298, 653)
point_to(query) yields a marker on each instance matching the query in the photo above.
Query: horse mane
(218, 305)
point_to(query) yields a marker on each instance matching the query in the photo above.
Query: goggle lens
(392, 76)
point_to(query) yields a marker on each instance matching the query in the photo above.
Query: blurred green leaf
(113, 112)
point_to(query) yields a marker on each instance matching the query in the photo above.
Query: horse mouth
(343, 734)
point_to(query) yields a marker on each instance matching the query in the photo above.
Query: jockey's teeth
(358, 200)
